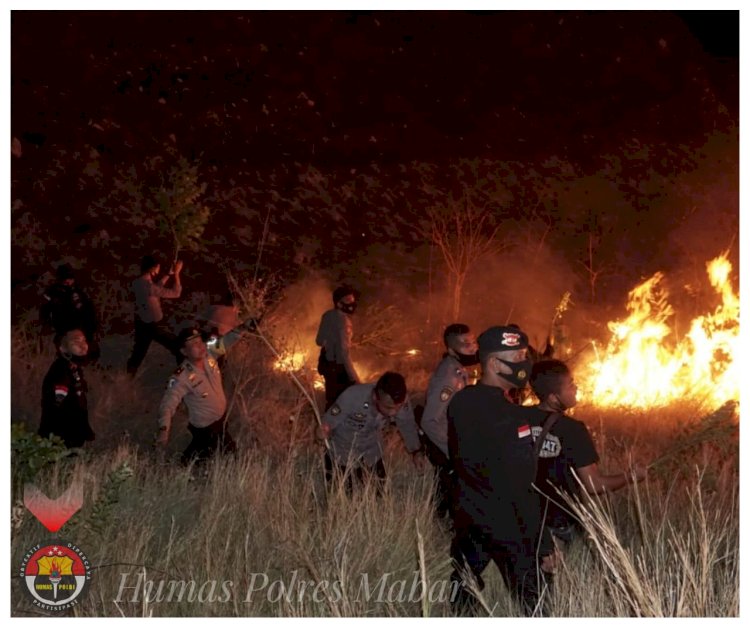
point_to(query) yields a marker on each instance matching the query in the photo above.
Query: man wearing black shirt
(567, 448)
(497, 512)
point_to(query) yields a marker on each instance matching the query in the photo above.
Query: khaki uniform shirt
(357, 427)
(335, 336)
(448, 379)
(201, 389)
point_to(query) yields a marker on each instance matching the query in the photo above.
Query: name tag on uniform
(524, 431)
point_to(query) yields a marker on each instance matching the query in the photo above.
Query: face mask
(348, 307)
(520, 372)
(467, 359)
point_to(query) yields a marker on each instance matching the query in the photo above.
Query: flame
(644, 366)
(290, 361)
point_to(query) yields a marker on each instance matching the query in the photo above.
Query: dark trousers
(145, 333)
(473, 548)
(443, 474)
(336, 379)
(207, 440)
(359, 475)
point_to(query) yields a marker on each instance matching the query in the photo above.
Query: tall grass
(222, 540)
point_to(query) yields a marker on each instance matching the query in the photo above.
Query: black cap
(188, 334)
(495, 339)
(343, 291)
(64, 271)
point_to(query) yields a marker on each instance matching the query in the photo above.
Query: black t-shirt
(491, 451)
(566, 447)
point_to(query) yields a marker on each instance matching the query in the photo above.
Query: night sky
(618, 117)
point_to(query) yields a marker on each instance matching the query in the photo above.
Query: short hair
(453, 331)
(546, 377)
(344, 291)
(148, 262)
(393, 385)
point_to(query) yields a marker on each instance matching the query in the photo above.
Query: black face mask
(348, 307)
(520, 372)
(467, 359)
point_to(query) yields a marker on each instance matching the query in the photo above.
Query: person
(522, 394)
(450, 376)
(148, 313)
(64, 405)
(354, 425)
(66, 306)
(220, 318)
(567, 449)
(334, 338)
(496, 512)
(197, 382)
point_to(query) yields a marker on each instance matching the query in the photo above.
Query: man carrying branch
(148, 313)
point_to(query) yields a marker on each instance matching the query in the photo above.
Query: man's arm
(434, 420)
(345, 342)
(176, 390)
(596, 483)
(407, 426)
(218, 346)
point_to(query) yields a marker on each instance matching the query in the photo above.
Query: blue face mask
(520, 372)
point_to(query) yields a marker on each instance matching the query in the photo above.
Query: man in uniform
(496, 513)
(67, 307)
(335, 339)
(64, 406)
(148, 313)
(450, 376)
(198, 383)
(567, 449)
(355, 422)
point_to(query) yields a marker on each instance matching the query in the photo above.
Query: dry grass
(666, 548)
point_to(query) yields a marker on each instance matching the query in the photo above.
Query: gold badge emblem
(335, 409)
(445, 394)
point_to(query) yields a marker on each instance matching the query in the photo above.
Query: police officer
(198, 383)
(355, 423)
(66, 306)
(335, 339)
(64, 405)
(148, 313)
(496, 511)
(450, 376)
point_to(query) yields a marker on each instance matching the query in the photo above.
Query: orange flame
(642, 367)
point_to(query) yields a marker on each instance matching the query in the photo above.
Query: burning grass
(666, 547)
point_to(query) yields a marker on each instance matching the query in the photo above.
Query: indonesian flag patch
(61, 392)
(524, 431)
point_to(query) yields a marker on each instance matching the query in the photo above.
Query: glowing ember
(413, 352)
(290, 361)
(643, 367)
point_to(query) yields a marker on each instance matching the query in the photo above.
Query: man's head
(191, 344)
(389, 394)
(553, 384)
(65, 274)
(345, 299)
(461, 343)
(149, 265)
(72, 343)
(503, 356)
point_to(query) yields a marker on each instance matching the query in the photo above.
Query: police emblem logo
(55, 575)
(445, 394)
(335, 409)
(522, 374)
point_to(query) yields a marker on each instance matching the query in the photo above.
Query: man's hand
(177, 267)
(324, 432)
(251, 324)
(551, 562)
(639, 472)
(162, 437)
(419, 460)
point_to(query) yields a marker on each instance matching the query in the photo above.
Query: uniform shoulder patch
(61, 391)
(335, 409)
(446, 393)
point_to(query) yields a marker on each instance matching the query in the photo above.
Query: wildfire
(290, 361)
(643, 366)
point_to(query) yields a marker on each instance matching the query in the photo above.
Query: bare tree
(463, 230)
